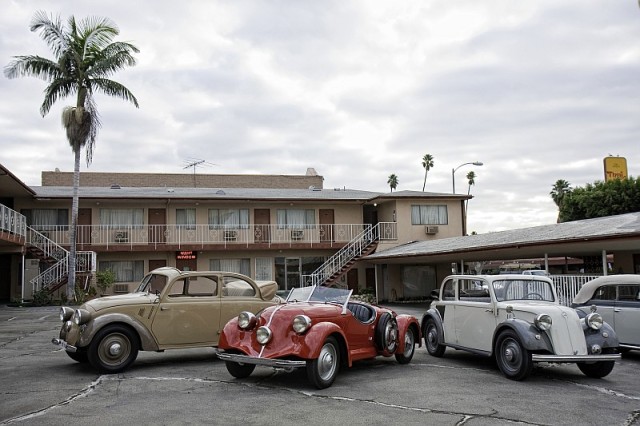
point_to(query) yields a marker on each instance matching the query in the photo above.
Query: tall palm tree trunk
(71, 283)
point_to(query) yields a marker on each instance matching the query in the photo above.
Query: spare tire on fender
(386, 336)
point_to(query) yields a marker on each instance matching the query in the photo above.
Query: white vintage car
(518, 320)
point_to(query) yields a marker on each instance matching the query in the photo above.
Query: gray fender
(147, 342)
(595, 337)
(527, 334)
(434, 314)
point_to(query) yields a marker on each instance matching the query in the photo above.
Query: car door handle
(164, 308)
(489, 310)
(617, 310)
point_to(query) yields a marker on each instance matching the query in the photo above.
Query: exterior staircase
(340, 263)
(57, 257)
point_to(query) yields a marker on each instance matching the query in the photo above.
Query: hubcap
(115, 349)
(508, 354)
(327, 362)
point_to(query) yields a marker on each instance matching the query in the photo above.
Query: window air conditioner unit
(121, 236)
(230, 235)
(297, 235)
(121, 288)
(431, 230)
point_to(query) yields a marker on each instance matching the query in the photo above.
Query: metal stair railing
(85, 261)
(346, 254)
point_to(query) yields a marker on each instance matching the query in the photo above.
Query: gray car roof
(587, 290)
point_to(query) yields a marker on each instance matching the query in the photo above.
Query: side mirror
(435, 294)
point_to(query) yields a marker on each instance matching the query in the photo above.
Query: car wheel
(431, 339)
(597, 370)
(512, 358)
(239, 370)
(409, 347)
(79, 355)
(113, 349)
(323, 370)
(387, 333)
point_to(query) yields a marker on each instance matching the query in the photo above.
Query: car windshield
(152, 283)
(320, 294)
(523, 290)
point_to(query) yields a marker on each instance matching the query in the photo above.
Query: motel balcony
(202, 237)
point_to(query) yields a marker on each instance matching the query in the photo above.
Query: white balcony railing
(178, 235)
(12, 222)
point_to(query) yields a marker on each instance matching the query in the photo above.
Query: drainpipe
(22, 279)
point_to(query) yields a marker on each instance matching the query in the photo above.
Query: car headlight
(81, 316)
(594, 320)
(65, 313)
(543, 322)
(263, 335)
(301, 323)
(246, 320)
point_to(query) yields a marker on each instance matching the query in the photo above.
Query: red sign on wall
(187, 255)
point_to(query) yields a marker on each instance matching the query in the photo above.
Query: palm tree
(471, 179)
(393, 181)
(84, 57)
(427, 163)
(559, 190)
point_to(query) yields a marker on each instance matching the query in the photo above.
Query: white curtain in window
(122, 217)
(43, 218)
(241, 266)
(429, 215)
(264, 268)
(186, 218)
(125, 271)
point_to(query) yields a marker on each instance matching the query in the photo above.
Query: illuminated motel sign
(615, 168)
(186, 255)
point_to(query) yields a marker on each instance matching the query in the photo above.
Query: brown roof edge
(7, 172)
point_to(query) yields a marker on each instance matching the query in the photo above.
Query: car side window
(177, 288)
(205, 286)
(473, 290)
(606, 292)
(448, 291)
(628, 292)
(234, 286)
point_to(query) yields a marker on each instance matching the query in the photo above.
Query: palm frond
(113, 88)
(51, 31)
(33, 66)
(59, 88)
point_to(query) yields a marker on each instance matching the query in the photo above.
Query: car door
(626, 314)
(475, 319)
(188, 312)
(446, 308)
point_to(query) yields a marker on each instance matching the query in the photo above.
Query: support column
(605, 267)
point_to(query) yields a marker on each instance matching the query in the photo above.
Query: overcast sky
(536, 90)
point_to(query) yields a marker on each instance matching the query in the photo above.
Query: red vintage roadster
(320, 329)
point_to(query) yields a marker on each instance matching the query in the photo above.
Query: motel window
(46, 219)
(186, 218)
(429, 215)
(296, 218)
(118, 218)
(228, 218)
(264, 268)
(125, 270)
(241, 266)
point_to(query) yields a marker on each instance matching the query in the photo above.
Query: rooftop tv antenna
(195, 162)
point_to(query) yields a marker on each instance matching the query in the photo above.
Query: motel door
(157, 225)
(84, 226)
(326, 225)
(261, 219)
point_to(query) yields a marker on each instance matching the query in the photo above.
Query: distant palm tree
(471, 179)
(85, 56)
(427, 163)
(393, 181)
(559, 190)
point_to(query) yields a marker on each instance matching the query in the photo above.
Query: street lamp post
(453, 172)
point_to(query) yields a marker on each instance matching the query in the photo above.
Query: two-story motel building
(283, 227)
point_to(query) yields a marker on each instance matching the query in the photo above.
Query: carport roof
(581, 237)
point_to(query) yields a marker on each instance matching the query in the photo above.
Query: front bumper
(574, 358)
(267, 362)
(67, 347)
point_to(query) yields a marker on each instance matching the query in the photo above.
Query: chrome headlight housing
(301, 323)
(594, 321)
(543, 322)
(246, 320)
(263, 335)
(81, 316)
(65, 313)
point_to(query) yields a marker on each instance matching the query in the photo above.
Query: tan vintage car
(170, 309)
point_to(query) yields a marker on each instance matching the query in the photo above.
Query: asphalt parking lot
(42, 386)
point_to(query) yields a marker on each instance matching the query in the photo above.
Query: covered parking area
(414, 269)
